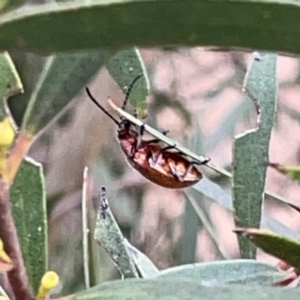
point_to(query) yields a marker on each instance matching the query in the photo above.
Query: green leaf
(109, 236)
(63, 77)
(143, 263)
(124, 67)
(123, 23)
(251, 150)
(224, 272)
(30, 67)
(29, 211)
(279, 246)
(191, 226)
(99, 258)
(180, 289)
(10, 82)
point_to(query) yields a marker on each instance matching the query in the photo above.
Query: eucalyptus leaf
(124, 67)
(143, 263)
(63, 77)
(225, 272)
(122, 23)
(10, 83)
(251, 149)
(191, 226)
(29, 66)
(180, 289)
(279, 246)
(109, 236)
(28, 199)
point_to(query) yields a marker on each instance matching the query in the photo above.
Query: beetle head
(126, 129)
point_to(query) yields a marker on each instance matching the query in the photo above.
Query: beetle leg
(153, 141)
(177, 175)
(140, 136)
(204, 162)
(195, 162)
(155, 159)
(188, 169)
(168, 148)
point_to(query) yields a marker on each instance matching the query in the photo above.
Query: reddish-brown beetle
(158, 164)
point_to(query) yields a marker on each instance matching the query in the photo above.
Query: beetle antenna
(100, 106)
(130, 89)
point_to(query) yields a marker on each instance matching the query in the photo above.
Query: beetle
(158, 164)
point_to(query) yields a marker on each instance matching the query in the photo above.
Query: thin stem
(85, 232)
(20, 150)
(8, 233)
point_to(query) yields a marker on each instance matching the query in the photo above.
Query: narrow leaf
(191, 226)
(63, 77)
(10, 83)
(30, 67)
(251, 149)
(180, 289)
(143, 263)
(279, 246)
(29, 210)
(121, 24)
(109, 236)
(124, 67)
(99, 259)
(224, 272)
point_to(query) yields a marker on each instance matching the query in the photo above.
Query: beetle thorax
(127, 137)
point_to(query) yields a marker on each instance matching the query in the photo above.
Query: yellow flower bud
(49, 281)
(3, 255)
(7, 133)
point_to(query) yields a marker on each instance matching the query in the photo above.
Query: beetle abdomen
(165, 171)
(166, 180)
